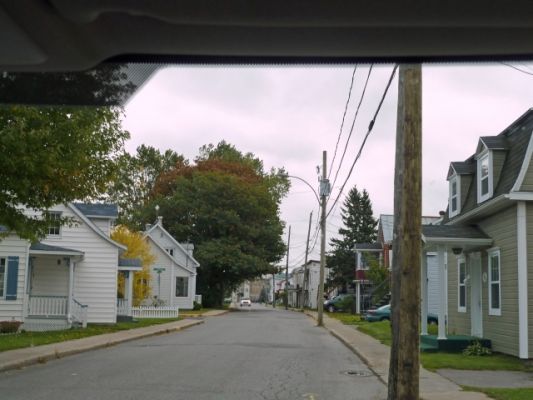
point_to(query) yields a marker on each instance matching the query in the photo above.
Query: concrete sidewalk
(31, 355)
(376, 356)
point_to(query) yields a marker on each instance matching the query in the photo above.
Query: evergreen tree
(359, 226)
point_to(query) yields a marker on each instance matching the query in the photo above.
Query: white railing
(122, 307)
(78, 313)
(198, 298)
(154, 312)
(49, 306)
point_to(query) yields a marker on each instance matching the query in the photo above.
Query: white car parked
(246, 302)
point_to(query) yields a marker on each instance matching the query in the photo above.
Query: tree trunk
(405, 302)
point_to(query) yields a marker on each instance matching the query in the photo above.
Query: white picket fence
(154, 312)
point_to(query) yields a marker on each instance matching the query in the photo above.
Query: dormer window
(455, 196)
(484, 178)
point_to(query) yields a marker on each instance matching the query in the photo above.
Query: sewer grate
(360, 373)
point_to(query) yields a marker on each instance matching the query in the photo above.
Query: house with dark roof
(381, 252)
(68, 278)
(173, 275)
(484, 244)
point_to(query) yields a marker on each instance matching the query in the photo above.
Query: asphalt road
(257, 353)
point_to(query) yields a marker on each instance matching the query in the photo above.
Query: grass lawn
(196, 312)
(433, 361)
(30, 339)
(505, 394)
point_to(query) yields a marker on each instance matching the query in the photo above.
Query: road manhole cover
(361, 373)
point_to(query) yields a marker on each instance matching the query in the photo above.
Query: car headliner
(61, 35)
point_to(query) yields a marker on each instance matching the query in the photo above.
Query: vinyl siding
(498, 160)
(529, 239)
(458, 322)
(49, 277)
(433, 284)
(168, 280)
(502, 330)
(12, 245)
(102, 224)
(95, 278)
(166, 242)
(466, 180)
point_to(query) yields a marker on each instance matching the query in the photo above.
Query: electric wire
(370, 127)
(518, 69)
(353, 125)
(342, 123)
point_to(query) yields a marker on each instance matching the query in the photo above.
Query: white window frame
(492, 253)
(480, 197)
(461, 260)
(4, 284)
(457, 180)
(55, 235)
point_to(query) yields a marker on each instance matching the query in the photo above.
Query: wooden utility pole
(405, 303)
(305, 281)
(287, 272)
(324, 193)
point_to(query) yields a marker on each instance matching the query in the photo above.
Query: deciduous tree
(139, 248)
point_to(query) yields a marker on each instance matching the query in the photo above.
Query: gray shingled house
(484, 245)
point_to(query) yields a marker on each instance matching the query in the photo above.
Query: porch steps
(453, 343)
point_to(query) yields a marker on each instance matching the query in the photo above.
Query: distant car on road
(383, 314)
(337, 303)
(246, 302)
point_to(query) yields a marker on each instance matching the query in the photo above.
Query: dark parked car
(383, 313)
(338, 302)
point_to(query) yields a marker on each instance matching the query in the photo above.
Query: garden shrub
(10, 326)
(196, 306)
(476, 349)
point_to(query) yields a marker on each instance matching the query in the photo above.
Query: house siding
(502, 330)
(168, 284)
(458, 322)
(466, 180)
(49, 277)
(102, 224)
(498, 160)
(95, 278)
(12, 245)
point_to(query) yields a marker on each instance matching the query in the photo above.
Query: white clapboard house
(173, 274)
(69, 277)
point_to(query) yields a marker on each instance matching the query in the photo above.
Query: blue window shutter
(12, 278)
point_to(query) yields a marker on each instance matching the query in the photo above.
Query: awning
(129, 264)
(39, 248)
(465, 238)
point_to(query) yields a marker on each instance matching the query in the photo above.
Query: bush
(476, 349)
(196, 306)
(346, 304)
(10, 326)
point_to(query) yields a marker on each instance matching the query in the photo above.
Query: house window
(54, 229)
(170, 251)
(461, 285)
(484, 182)
(455, 196)
(182, 286)
(2, 277)
(495, 291)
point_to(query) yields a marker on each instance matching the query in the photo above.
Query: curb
(91, 343)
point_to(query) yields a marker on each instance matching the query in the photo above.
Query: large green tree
(359, 226)
(228, 206)
(135, 180)
(54, 155)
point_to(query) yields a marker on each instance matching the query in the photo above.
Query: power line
(342, 123)
(353, 124)
(518, 69)
(370, 127)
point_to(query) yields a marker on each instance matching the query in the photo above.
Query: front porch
(50, 301)
(127, 268)
(451, 344)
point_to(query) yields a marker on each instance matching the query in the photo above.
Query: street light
(325, 190)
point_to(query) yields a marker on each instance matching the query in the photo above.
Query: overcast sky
(287, 116)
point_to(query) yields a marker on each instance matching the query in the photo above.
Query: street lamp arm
(304, 181)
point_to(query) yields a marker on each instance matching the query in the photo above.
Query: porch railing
(122, 307)
(154, 312)
(78, 313)
(48, 306)
(198, 298)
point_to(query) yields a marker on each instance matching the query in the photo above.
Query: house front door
(476, 311)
